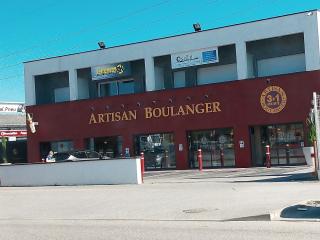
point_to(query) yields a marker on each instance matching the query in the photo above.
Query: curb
(298, 212)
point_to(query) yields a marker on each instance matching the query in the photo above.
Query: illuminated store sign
(111, 71)
(197, 57)
(157, 112)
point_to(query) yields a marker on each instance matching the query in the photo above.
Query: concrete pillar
(73, 84)
(312, 43)
(30, 90)
(242, 155)
(150, 74)
(242, 61)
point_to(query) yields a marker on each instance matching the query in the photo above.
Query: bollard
(199, 157)
(222, 157)
(287, 154)
(268, 157)
(142, 165)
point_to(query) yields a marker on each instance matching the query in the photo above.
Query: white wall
(121, 171)
(239, 34)
(281, 65)
(217, 74)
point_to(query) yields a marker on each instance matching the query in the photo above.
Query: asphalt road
(214, 204)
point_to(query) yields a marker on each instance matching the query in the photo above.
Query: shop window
(217, 147)
(56, 146)
(158, 150)
(106, 146)
(285, 140)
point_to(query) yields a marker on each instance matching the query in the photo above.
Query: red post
(199, 156)
(268, 157)
(142, 165)
(315, 157)
(222, 157)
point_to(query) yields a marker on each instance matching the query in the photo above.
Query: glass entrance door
(285, 140)
(216, 145)
(158, 148)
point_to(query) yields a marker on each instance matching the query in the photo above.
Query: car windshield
(61, 156)
(92, 154)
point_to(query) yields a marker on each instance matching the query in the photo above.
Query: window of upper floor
(52, 88)
(111, 80)
(274, 56)
(175, 75)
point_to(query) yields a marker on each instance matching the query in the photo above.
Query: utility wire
(83, 30)
(235, 13)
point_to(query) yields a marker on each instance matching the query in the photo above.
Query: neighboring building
(229, 91)
(13, 133)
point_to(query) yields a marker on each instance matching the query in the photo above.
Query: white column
(73, 84)
(242, 62)
(30, 90)
(150, 74)
(312, 43)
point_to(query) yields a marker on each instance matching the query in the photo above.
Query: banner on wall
(13, 133)
(194, 58)
(12, 108)
(109, 71)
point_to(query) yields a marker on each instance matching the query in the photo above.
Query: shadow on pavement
(287, 178)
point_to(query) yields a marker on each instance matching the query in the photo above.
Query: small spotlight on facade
(197, 27)
(101, 45)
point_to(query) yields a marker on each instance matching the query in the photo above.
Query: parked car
(78, 156)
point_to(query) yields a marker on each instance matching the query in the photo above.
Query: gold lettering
(133, 115)
(172, 114)
(208, 107)
(156, 112)
(164, 112)
(117, 116)
(92, 119)
(107, 115)
(216, 107)
(181, 111)
(148, 112)
(201, 110)
(101, 118)
(190, 109)
(124, 117)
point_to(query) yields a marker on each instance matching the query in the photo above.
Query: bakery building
(229, 91)
(13, 133)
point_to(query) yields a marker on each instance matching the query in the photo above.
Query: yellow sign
(273, 99)
(156, 112)
(119, 69)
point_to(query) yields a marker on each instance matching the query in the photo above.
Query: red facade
(239, 102)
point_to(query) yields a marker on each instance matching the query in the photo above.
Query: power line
(10, 77)
(152, 22)
(133, 13)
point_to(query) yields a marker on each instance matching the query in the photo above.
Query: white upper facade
(242, 37)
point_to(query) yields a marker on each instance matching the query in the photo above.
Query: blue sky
(36, 29)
